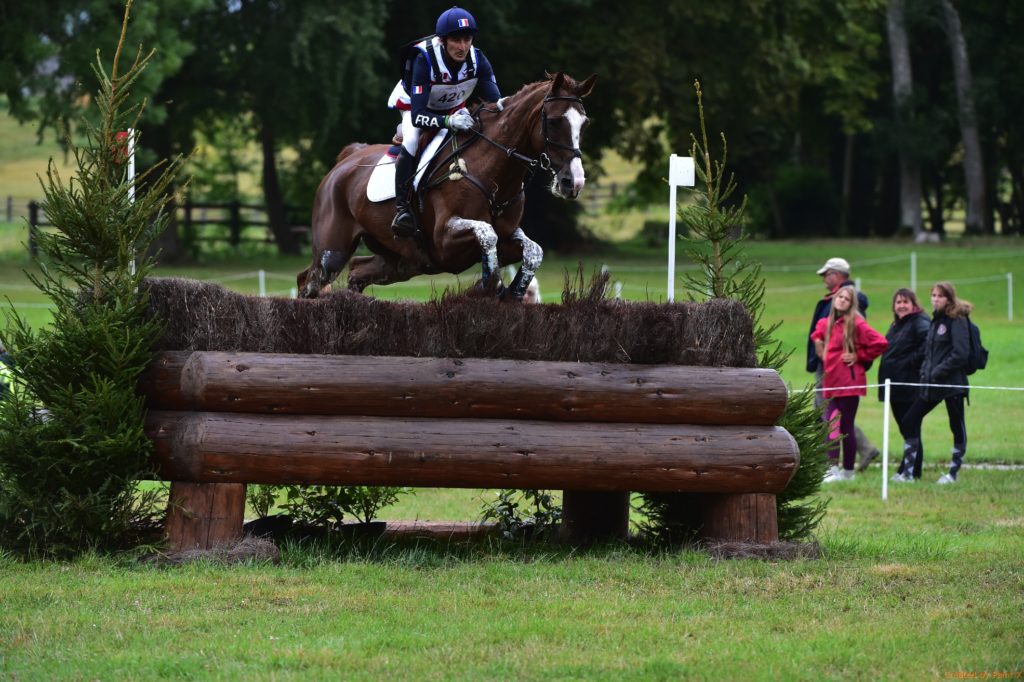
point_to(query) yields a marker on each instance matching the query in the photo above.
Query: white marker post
(1009, 296)
(681, 173)
(885, 440)
(131, 179)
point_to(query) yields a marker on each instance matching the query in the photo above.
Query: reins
(542, 162)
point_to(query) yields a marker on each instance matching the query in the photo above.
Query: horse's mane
(531, 88)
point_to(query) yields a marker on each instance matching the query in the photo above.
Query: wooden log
(470, 453)
(434, 387)
(741, 518)
(204, 515)
(589, 517)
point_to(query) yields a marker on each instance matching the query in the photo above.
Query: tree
(974, 169)
(903, 90)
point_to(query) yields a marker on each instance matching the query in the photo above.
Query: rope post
(885, 440)
(913, 271)
(1009, 296)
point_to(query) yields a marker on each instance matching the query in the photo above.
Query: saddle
(381, 185)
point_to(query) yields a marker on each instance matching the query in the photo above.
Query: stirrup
(404, 225)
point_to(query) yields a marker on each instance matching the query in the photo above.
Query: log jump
(597, 431)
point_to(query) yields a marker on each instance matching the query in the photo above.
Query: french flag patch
(463, 23)
(417, 90)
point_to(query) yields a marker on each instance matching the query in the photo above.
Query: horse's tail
(349, 150)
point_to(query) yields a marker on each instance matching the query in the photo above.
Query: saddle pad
(381, 185)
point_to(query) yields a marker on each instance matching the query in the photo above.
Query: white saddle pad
(381, 186)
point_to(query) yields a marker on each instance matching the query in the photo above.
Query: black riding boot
(404, 224)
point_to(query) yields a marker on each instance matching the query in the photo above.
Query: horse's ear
(557, 81)
(583, 89)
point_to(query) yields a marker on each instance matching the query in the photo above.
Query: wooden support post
(741, 518)
(235, 223)
(589, 517)
(33, 225)
(203, 515)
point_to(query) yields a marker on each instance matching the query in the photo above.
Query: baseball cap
(837, 264)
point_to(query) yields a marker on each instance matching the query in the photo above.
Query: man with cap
(835, 273)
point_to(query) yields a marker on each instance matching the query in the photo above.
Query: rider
(445, 71)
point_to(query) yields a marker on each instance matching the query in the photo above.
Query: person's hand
(500, 104)
(460, 120)
(849, 358)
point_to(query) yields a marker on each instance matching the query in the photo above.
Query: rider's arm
(487, 85)
(419, 96)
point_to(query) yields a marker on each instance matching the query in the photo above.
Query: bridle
(543, 160)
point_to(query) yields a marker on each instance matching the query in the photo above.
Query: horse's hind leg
(379, 269)
(326, 266)
(531, 253)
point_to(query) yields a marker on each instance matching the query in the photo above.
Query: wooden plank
(479, 388)
(470, 453)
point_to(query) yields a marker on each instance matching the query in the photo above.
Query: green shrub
(72, 443)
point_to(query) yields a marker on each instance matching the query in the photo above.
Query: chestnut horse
(469, 203)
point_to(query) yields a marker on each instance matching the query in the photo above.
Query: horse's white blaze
(484, 234)
(576, 121)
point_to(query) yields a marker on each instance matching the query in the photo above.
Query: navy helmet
(455, 21)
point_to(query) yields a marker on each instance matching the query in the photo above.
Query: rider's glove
(459, 121)
(500, 104)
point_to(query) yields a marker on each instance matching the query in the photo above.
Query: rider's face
(457, 47)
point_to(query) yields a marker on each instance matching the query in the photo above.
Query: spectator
(902, 360)
(945, 358)
(835, 274)
(532, 294)
(845, 344)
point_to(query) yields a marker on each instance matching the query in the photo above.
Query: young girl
(945, 357)
(845, 343)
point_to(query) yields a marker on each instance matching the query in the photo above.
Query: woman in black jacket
(946, 350)
(902, 361)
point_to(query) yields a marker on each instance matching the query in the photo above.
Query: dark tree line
(849, 117)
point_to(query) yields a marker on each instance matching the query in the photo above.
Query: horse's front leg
(487, 238)
(532, 255)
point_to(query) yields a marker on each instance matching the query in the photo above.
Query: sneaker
(841, 475)
(905, 477)
(832, 471)
(866, 460)
(946, 479)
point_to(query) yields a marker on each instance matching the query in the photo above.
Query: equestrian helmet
(455, 21)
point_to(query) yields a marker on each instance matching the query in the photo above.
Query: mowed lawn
(927, 584)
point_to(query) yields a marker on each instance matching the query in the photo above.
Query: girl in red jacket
(845, 343)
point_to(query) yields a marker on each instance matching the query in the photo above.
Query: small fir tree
(72, 441)
(714, 241)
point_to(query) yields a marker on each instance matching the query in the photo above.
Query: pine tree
(714, 241)
(72, 443)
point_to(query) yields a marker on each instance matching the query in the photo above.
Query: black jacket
(822, 310)
(946, 351)
(903, 358)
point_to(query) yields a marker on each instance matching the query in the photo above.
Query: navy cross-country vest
(448, 91)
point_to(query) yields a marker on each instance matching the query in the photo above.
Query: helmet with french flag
(455, 21)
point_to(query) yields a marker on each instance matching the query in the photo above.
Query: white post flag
(681, 173)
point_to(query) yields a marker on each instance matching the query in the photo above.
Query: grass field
(928, 584)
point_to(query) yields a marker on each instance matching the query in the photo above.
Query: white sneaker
(841, 475)
(832, 470)
(903, 478)
(946, 479)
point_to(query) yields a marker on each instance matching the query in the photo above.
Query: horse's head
(563, 119)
